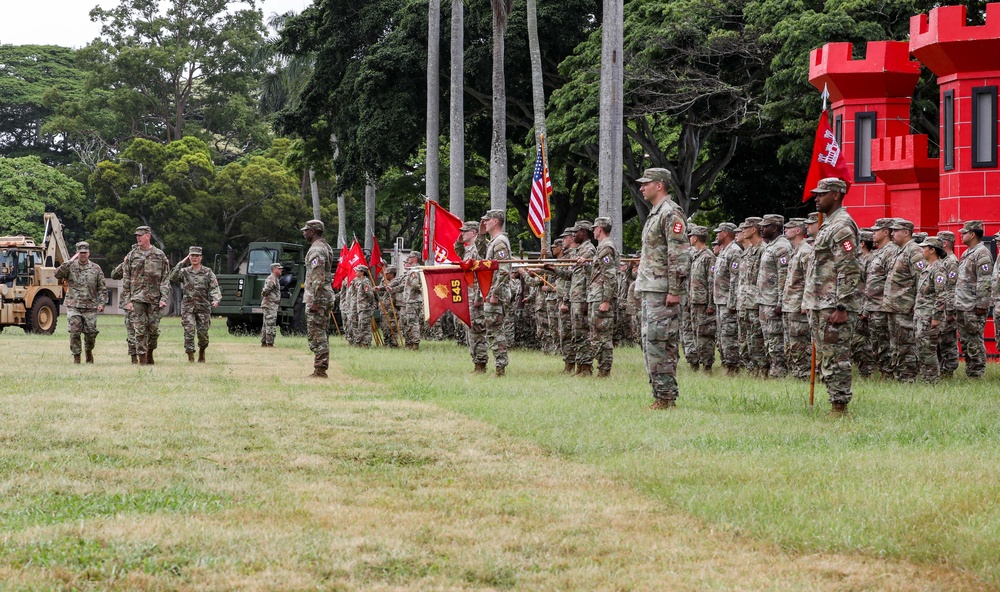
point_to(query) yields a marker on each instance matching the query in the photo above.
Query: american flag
(541, 189)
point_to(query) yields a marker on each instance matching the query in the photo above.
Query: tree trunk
(498, 145)
(341, 221)
(456, 180)
(369, 215)
(432, 182)
(537, 93)
(314, 188)
(611, 118)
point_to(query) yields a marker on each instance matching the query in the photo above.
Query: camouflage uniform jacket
(686, 272)
(795, 283)
(865, 259)
(271, 294)
(413, 294)
(471, 253)
(499, 249)
(364, 294)
(86, 285)
(563, 274)
(727, 268)
(746, 298)
(319, 274)
(700, 284)
(932, 292)
(996, 287)
(146, 277)
(199, 287)
(663, 258)
(975, 270)
(878, 272)
(951, 267)
(773, 272)
(809, 262)
(580, 274)
(603, 284)
(901, 284)
(837, 275)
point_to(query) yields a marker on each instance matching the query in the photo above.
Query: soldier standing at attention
(862, 351)
(752, 348)
(86, 296)
(995, 285)
(494, 307)
(874, 308)
(476, 341)
(900, 294)
(727, 268)
(602, 295)
(145, 289)
(579, 278)
(770, 288)
(562, 298)
(972, 297)
(659, 283)
(318, 295)
(930, 308)
(200, 294)
(270, 298)
(116, 274)
(701, 298)
(688, 341)
(836, 287)
(364, 305)
(948, 340)
(799, 346)
(413, 298)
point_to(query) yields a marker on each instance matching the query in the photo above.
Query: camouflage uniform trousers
(566, 337)
(602, 329)
(948, 346)
(550, 340)
(862, 351)
(878, 333)
(927, 348)
(195, 320)
(130, 333)
(752, 351)
(542, 325)
(496, 337)
(478, 349)
(413, 316)
(387, 325)
(582, 352)
(661, 326)
(81, 321)
(705, 328)
(729, 337)
(509, 321)
(970, 331)
(317, 324)
(688, 340)
(799, 345)
(146, 320)
(773, 334)
(363, 334)
(267, 329)
(833, 352)
(903, 340)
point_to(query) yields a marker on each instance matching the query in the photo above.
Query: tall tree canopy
(28, 189)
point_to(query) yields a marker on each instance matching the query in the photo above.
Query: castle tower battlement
(945, 42)
(911, 177)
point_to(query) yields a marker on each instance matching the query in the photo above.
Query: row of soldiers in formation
(146, 275)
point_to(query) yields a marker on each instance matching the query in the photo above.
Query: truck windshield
(260, 260)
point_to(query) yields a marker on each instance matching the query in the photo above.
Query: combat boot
(190, 357)
(707, 370)
(602, 373)
(76, 358)
(143, 359)
(318, 373)
(501, 370)
(479, 369)
(838, 410)
(584, 369)
(662, 404)
(201, 355)
(90, 356)
(732, 371)
(135, 359)
(262, 344)
(149, 358)
(695, 367)
(569, 368)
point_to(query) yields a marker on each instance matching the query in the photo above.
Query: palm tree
(611, 117)
(432, 177)
(498, 145)
(537, 89)
(456, 178)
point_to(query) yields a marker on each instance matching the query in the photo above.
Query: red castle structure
(893, 175)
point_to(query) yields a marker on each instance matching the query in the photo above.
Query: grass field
(405, 472)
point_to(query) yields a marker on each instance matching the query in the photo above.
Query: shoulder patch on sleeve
(847, 245)
(920, 264)
(677, 228)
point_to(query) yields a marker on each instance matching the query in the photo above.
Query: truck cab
(241, 289)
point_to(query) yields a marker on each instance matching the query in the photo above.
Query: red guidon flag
(482, 270)
(827, 160)
(345, 269)
(446, 228)
(445, 289)
(338, 274)
(375, 263)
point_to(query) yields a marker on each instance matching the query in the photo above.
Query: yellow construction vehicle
(30, 294)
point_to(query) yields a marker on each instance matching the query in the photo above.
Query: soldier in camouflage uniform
(948, 340)
(659, 283)
(798, 347)
(930, 308)
(972, 297)
(874, 310)
(770, 288)
(270, 299)
(145, 290)
(602, 294)
(365, 305)
(836, 287)
(579, 311)
(862, 351)
(724, 292)
(562, 297)
(995, 284)
(752, 349)
(85, 297)
(384, 303)
(318, 295)
(900, 294)
(468, 250)
(701, 298)
(413, 299)
(116, 274)
(200, 293)
(494, 308)
(688, 341)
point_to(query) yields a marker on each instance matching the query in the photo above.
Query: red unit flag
(447, 227)
(375, 263)
(340, 274)
(827, 160)
(445, 289)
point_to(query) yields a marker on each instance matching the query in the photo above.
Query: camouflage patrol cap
(314, 225)
(582, 225)
(773, 220)
(866, 235)
(494, 214)
(470, 225)
(752, 221)
(696, 230)
(812, 218)
(946, 235)
(919, 237)
(83, 247)
(361, 269)
(277, 265)
(414, 255)
(603, 221)
(654, 175)
(194, 250)
(882, 224)
(715, 242)
(972, 225)
(933, 241)
(830, 184)
(143, 230)
(726, 227)
(795, 223)
(901, 224)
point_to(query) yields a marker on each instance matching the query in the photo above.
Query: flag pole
(546, 224)
(812, 364)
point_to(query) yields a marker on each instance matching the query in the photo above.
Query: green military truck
(241, 288)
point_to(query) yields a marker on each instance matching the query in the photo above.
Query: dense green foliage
(28, 189)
